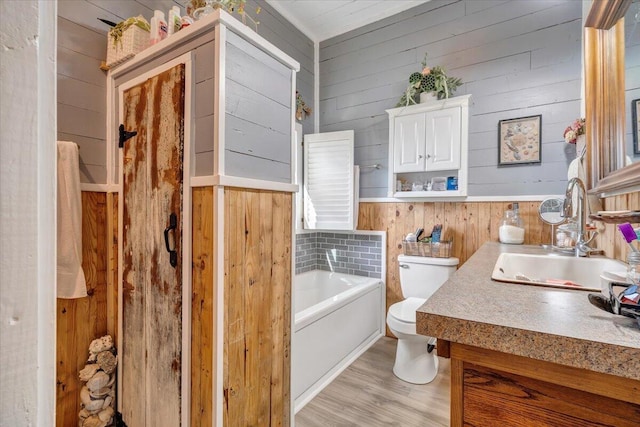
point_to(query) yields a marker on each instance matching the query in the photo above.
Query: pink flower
(426, 70)
(576, 129)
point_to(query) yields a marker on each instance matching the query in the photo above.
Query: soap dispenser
(511, 229)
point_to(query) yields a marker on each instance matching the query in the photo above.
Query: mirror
(605, 100)
(550, 211)
(632, 81)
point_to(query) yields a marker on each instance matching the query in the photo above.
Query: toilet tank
(420, 276)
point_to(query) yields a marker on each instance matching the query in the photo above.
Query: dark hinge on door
(124, 135)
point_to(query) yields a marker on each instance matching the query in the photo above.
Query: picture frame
(635, 124)
(519, 141)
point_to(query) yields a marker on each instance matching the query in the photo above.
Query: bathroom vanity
(531, 355)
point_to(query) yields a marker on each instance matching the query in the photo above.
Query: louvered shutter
(329, 186)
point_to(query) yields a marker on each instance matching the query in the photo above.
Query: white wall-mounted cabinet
(426, 141)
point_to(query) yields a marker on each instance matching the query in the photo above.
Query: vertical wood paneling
(202, 309)
(152, 287)
(469, 224)
(609, 238)
(112, 269)
(257, 307)
(79, 321)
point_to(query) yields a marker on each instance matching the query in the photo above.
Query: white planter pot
(428, 97)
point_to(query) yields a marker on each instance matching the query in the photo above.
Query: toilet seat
(402, 315)
(405, 311)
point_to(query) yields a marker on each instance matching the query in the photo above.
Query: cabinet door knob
(420, 156)
(428, 156)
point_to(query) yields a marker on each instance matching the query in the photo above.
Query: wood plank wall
(257, 316)
(202, 309)
(79, 321)
(610, 238)
(469, 224)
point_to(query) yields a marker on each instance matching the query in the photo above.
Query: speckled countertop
(554, 325)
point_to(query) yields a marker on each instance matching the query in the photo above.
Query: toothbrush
(629, 234)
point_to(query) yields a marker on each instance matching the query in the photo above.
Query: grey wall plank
(79, 39)
(93, 174)
(80, 94)
(76, 121)
(517, 58)
(238, 164)
(254, 107)
(91, 149)
(204, 98)
(204, 163)
(80, 67)
(204, 62)
(204, 134)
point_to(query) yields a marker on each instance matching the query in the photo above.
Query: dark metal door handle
(171, 248)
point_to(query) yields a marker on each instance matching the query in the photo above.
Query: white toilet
(420, 277)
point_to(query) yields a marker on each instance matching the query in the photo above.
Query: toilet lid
(406, 310)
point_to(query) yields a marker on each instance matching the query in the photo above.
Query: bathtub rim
(323, 308)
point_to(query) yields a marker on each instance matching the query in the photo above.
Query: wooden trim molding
(604, 62)
(604, 14)
(624, 180)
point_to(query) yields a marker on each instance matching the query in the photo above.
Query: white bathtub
(337, 318)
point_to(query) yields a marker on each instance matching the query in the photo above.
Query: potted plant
(433, 80)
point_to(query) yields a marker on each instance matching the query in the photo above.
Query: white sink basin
(555, 271)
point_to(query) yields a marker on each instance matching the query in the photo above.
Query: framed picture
(519, 141)
(635, 123)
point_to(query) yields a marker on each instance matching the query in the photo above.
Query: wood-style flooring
(368, 394)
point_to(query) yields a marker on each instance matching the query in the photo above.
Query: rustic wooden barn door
(152, 276)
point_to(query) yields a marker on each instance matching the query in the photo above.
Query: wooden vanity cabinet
(490, 388)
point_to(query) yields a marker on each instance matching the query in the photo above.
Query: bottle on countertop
(158, 27)
(511, 228)
(174, 21)
(633, 267)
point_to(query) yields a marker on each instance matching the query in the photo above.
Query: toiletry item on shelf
(633, 268)
(629, 234)
(174, 22)
(417, 186)
(452, 183)
(158, 27)
(511, 228)
(186, 20)
(436, 233)
(438, 183)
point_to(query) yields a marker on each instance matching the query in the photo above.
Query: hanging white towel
(71, 280)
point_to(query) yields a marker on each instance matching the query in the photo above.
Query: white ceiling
(323, 19)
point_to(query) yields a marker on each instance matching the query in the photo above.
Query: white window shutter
(329, 185)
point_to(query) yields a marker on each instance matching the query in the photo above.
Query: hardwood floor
(368, 394)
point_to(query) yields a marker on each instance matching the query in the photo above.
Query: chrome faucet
(582, 244)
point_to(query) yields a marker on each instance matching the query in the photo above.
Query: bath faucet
(582, 244)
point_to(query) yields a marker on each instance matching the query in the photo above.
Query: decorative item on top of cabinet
(428, 142)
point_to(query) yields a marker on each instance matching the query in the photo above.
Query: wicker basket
(134, 39)
(436, 250)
